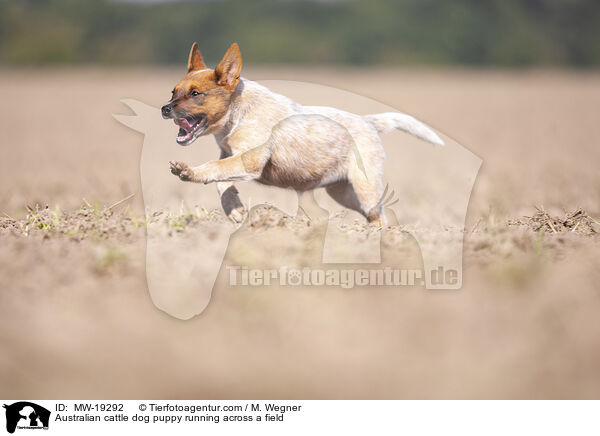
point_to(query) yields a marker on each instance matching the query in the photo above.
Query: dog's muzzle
(167, 111)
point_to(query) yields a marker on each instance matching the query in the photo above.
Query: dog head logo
(26, 415)
(426, 188)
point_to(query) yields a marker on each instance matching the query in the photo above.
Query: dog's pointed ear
(228, 70)
(195, 61)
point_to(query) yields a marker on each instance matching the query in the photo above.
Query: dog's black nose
(166, 109)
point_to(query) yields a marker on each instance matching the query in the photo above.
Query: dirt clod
(576, 221)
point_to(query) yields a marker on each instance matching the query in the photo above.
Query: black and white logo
(26, 415)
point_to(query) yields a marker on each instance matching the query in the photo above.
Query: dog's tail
(388, 121)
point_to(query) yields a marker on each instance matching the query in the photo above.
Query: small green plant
(56, 216)
(137, 223)
(177, 222)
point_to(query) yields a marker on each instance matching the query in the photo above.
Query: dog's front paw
(182, 170)
(238, 214)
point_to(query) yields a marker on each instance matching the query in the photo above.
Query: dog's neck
(242, 100)
(248, 98)
(227, 123)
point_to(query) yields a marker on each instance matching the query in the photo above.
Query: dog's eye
(195, 93)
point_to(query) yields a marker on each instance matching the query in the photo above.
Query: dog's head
(201, 99)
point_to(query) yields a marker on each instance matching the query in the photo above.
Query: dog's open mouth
(190, 128)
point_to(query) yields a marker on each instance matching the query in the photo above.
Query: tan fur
(214, 104)
(195, 61)
(268, 138)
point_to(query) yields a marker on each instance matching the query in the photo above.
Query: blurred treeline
(368, 32)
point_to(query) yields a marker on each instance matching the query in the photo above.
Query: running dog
(268, 138)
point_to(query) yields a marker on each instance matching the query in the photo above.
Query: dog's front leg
(230, 201)
(240, 167)
(230, 198)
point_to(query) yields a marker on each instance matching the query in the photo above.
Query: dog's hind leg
(363, 191)
(360, 194)
(365, 200)
(335, 249)
(343, 193)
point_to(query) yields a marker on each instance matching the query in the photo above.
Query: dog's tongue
(186, 130)
(184, 124)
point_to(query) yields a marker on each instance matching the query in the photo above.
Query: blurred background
(507, 33)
